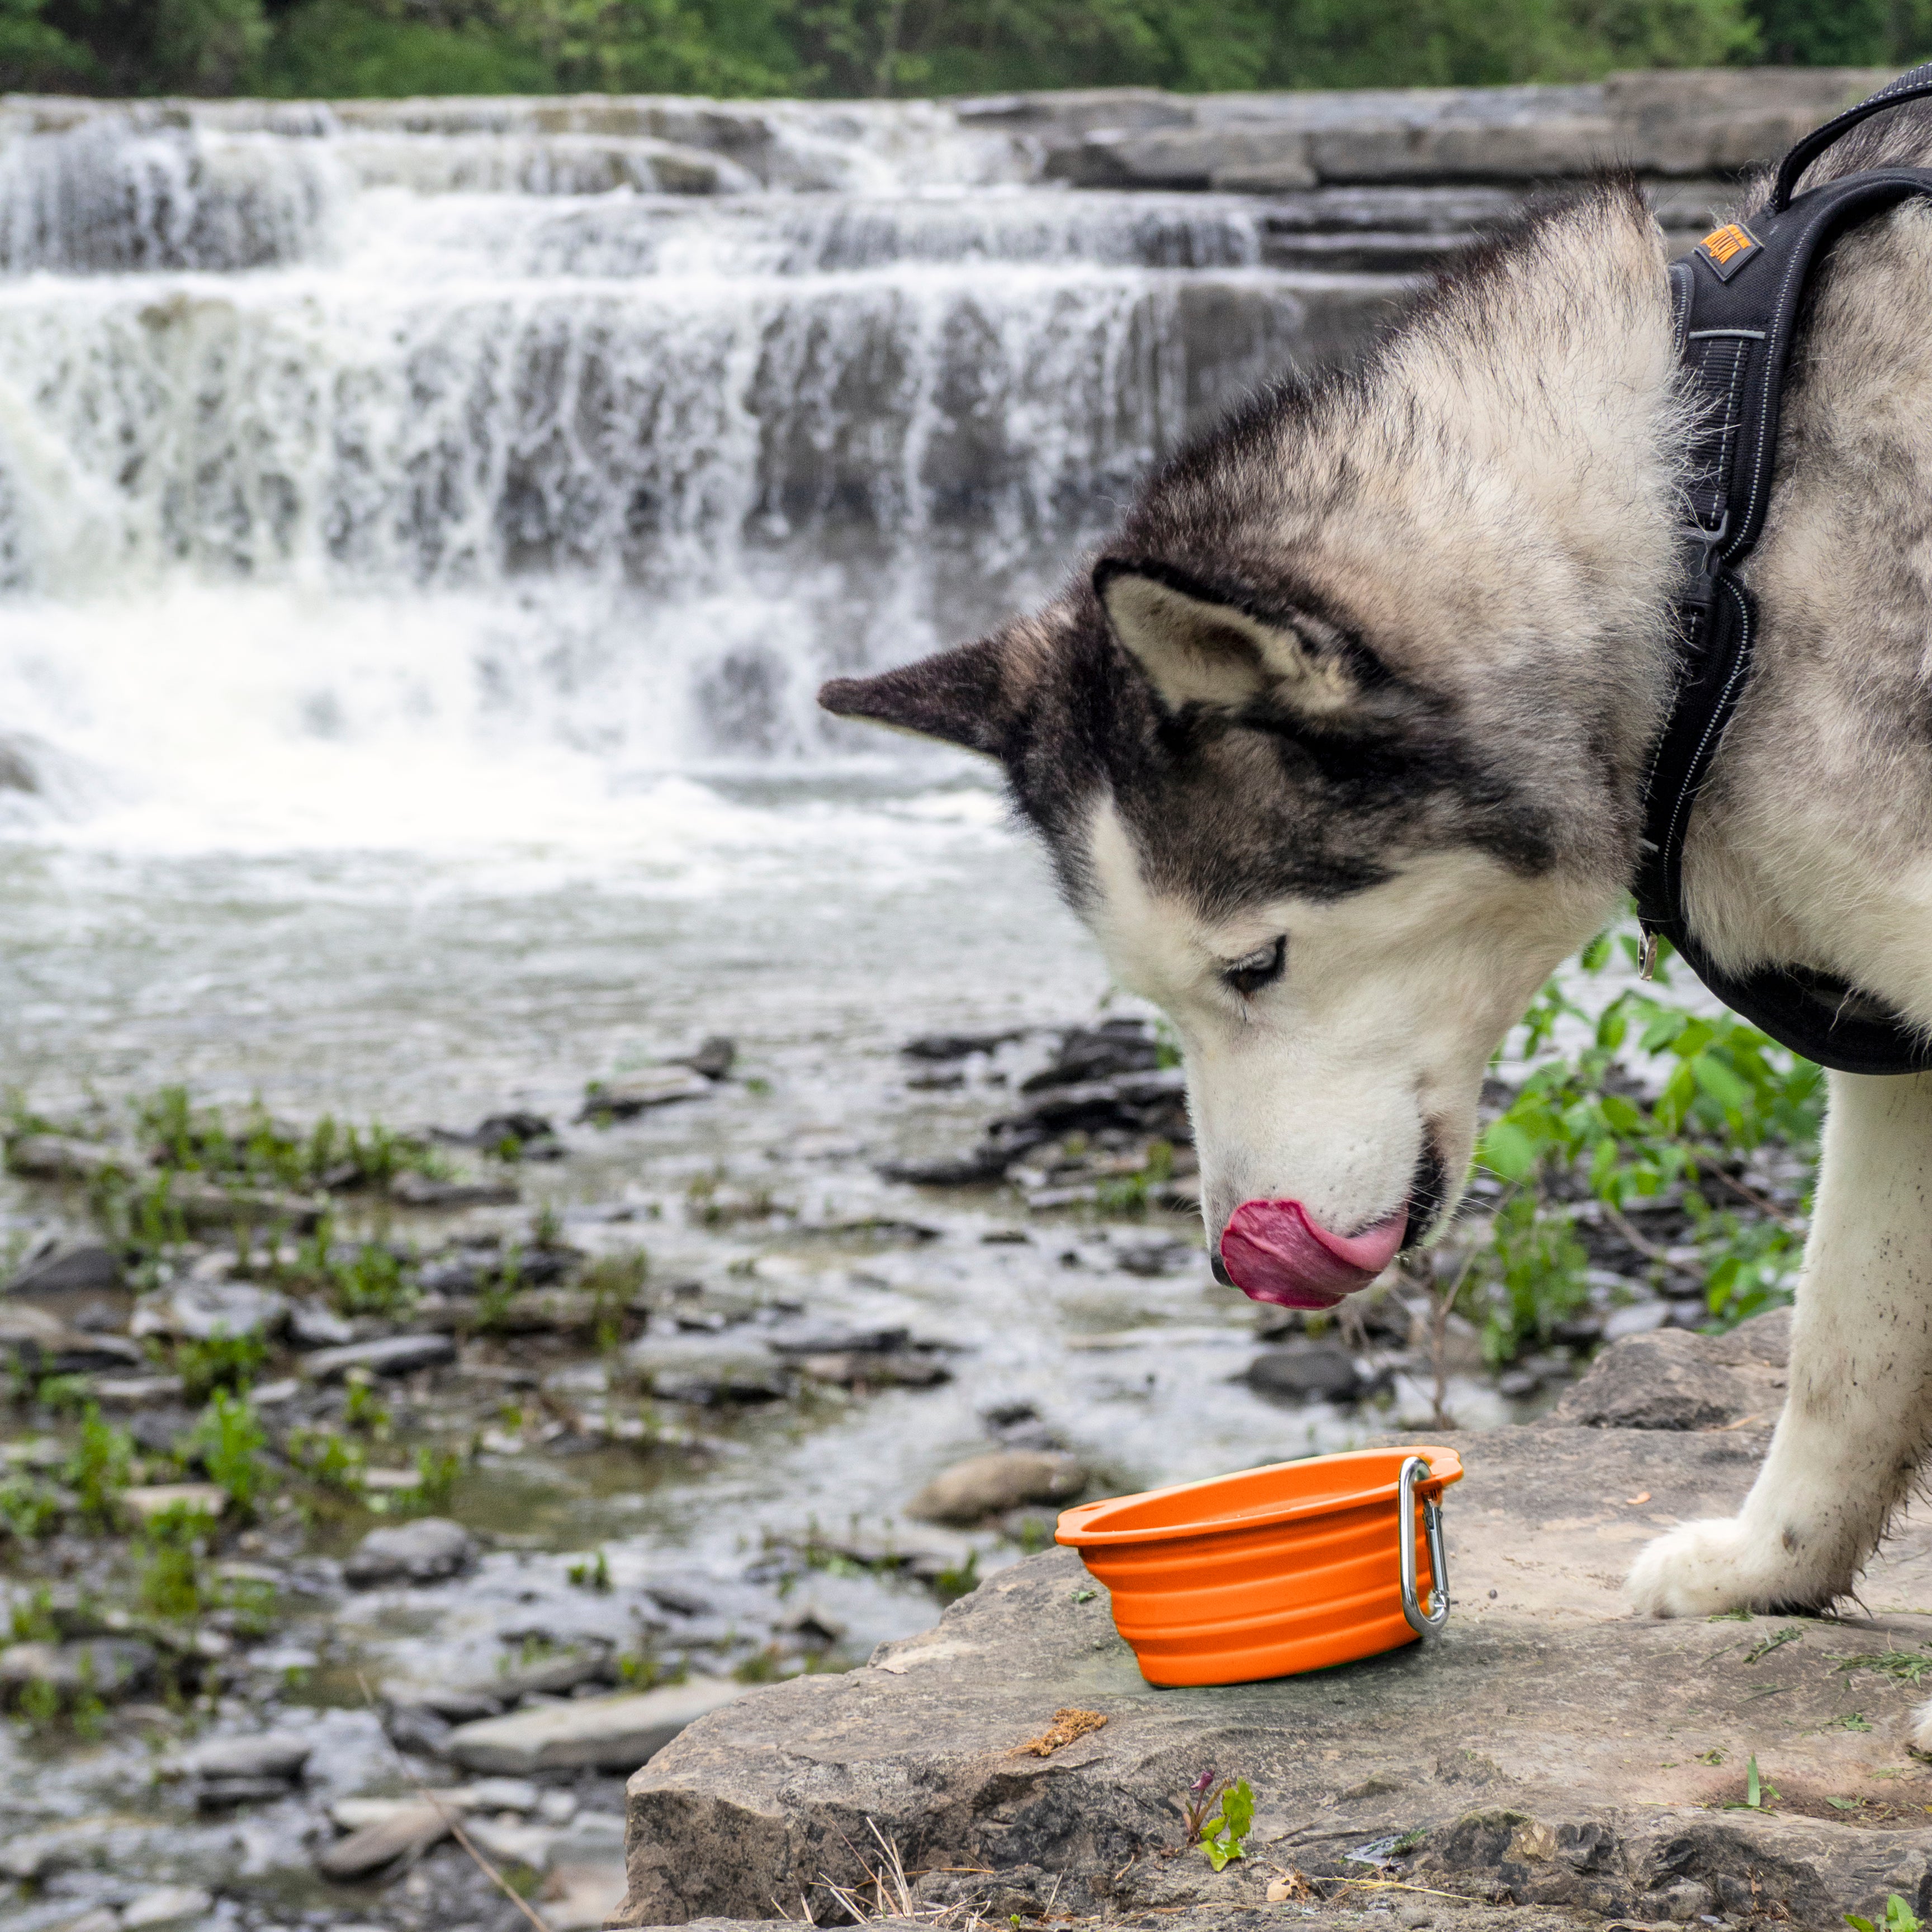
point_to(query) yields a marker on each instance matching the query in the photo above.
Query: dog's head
(1337, 750)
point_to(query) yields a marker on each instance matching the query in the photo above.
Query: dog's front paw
(1696, 1571)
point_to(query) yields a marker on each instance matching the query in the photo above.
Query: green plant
(957, 1579)
(1661, 1098)
(325, 1458)
(228, 1438)
(173, 1580)
(1907, 1666)
(97, 1470)
(222, 1361)
(364, 1409)
(1218, 1817)
(591, 1573)
(28, 1509)
(1899, 1917)
(30, 1619)
(435, 1485)
(64, 1395)
(1758, 1792)
(1790, 1632)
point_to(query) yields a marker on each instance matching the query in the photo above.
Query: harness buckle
(1701, 586)
(1646, 966)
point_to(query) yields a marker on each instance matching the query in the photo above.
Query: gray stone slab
(1549, 1749)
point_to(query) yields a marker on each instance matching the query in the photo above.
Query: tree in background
(878, 47)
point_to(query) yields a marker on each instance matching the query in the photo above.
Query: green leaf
(1753, 1791)
(1508, 1151)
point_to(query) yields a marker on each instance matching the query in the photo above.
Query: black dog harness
(1736, 297)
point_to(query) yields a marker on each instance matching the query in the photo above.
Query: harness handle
(1909, 86)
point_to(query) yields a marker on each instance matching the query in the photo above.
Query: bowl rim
(1445, 1466)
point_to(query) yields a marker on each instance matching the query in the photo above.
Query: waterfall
(618, 423)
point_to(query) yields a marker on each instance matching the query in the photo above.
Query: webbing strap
(1735, 300)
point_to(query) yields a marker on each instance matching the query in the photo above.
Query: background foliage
(866, 47)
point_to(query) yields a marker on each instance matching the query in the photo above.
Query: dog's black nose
(1220, 1268)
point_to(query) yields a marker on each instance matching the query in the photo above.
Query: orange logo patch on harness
(1727, 249)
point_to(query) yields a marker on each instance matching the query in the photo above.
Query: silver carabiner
(1424, 1623)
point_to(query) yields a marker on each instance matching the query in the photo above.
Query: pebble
(654, 1087)
(990, 1485)
(421, 1552)
(168, 1905)
(1308, 1372)
(617, 1733)
(393, 1355)
(149, 1500)
(412, 1190)
(197, 1311)
(409, 1828)
(279, 1754)
(106, 1666)
(86, 1264)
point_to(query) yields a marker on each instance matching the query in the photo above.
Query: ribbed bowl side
(1235, 1605)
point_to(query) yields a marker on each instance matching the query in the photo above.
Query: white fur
(1320, 1088)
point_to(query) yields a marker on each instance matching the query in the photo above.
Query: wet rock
(958, 1046)
(313, 1324)
(136, 1392)
(44, 1345)
(57, 1157)
(714, 1059)
(990, 1485)
(976, 1169)
(415, 1728)
(714, 1381)
(1267, 161)
(1101, 1053)
(841, 1342)
(106, 1667)
(616, 1733)
(409, 1829)
(82, 1265)
(1307, 1371)
(166, 1907)
(454, 1704)
(522, 1136)
(199, 1310)
(552, 1675)
(393, 1355)
(1535, 1755)
(1639, 1317)
(230, 1794)
(865, 1369)
(1673, 1379)
(412, 1190)
(419, 1552)
(144, 1502)
(624, 1098)
(278, 1755)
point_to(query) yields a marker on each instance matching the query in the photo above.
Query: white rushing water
(329, 449)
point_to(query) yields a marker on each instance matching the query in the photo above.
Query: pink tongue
(1275, 1253)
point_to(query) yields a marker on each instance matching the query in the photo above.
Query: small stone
(1516, 1384)
(1672, 1378)
(393, 1355)
(313, 1325)
(990, 1485)
(57, 1157)
(714, 1059)
(106, 1667)
(858, 1370)
(199, 1310)
(136, 1391)
(654, 1087)
(84, 1264)
(225, 1794)
(146, 1500)
(421, 1552)
(276, 1754)
(413, 1190)
(167, 1905)
(617, 1733)
(506, 1794)
(1414, 1914)
(1307, 1371)
(407, 1828)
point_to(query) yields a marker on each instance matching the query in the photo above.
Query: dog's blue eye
(1260, 969)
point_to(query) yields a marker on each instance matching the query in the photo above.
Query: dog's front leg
(1857, 1417)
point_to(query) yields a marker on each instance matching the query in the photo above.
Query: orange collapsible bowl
(1292, 1567)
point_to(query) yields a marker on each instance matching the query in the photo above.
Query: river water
(421, 538)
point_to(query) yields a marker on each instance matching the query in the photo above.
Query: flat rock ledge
(1548, 1751)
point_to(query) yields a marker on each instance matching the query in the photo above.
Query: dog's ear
(1197, 648)
(961, 695)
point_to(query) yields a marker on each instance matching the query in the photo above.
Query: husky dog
(1338, 749)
